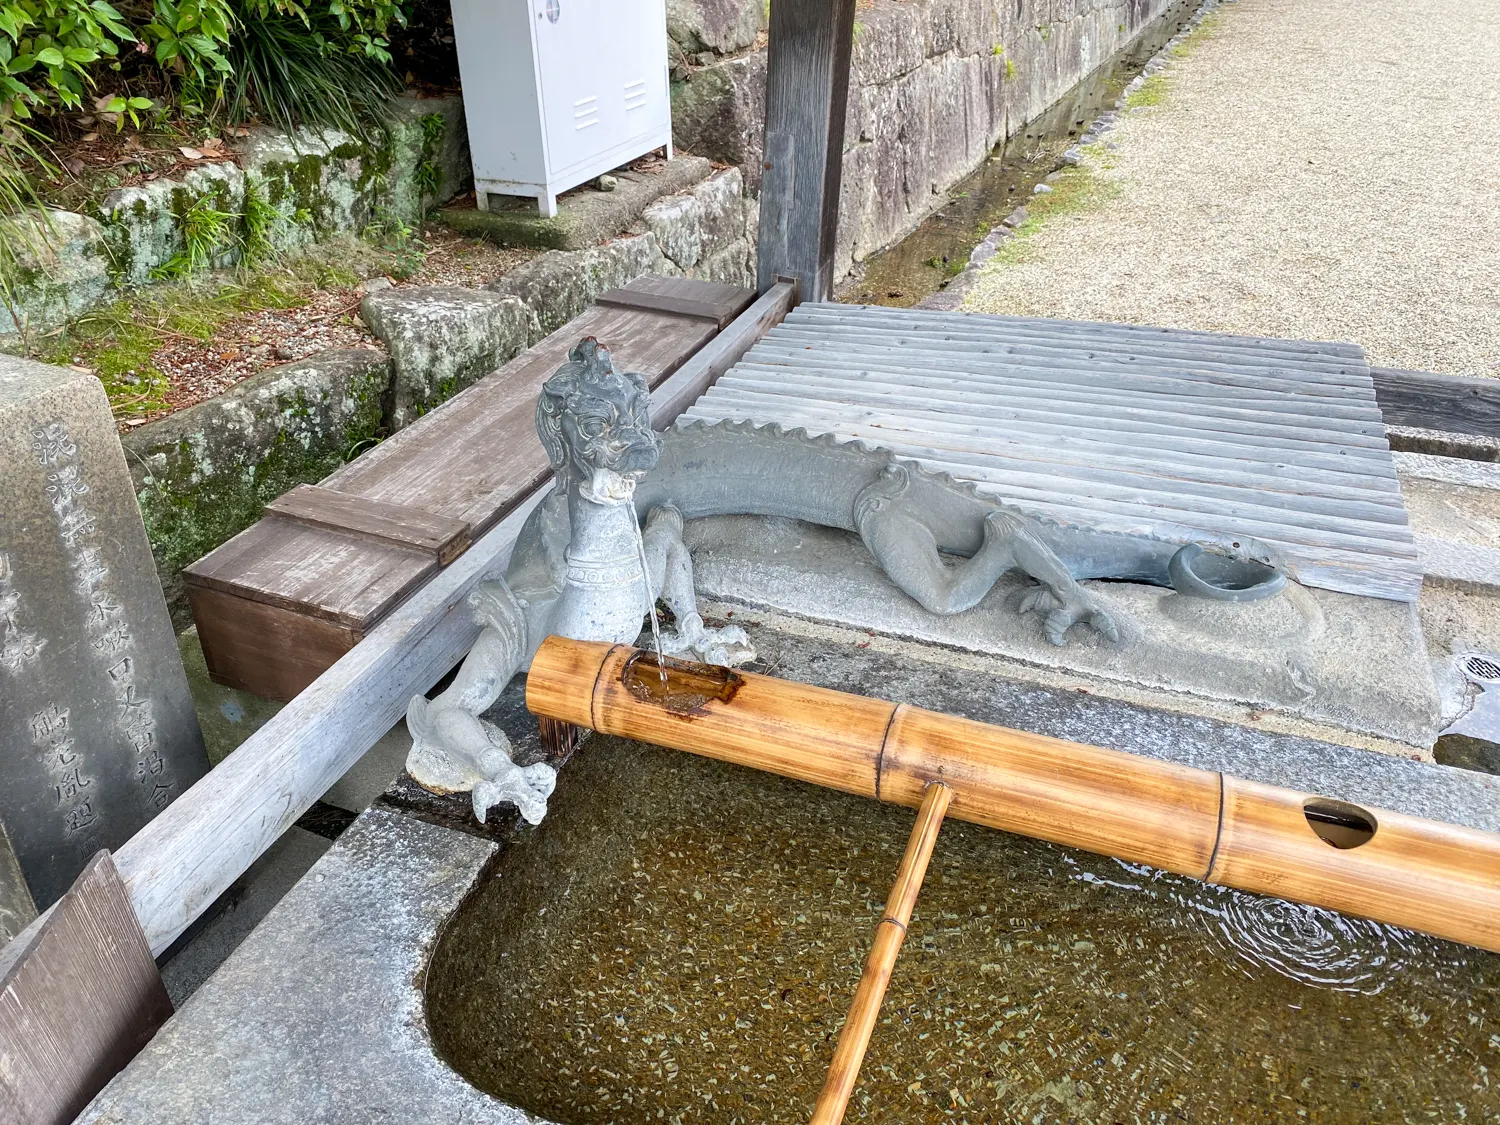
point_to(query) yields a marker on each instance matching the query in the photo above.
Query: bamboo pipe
(889, 934)
(1424, 875)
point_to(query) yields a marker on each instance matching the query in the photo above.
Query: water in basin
(679, 941)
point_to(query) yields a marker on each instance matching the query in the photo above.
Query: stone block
(62, 268)
(1348, 668)
(202, 475)
(719, 111)
(585, 217)
(721, 199)
(889, 41)
(733, 264)
(429, 154)
(442, 338)
(96, 721)
(677, 223)
(720, 26)
(319, 179)
(144, 225)
(560, 284)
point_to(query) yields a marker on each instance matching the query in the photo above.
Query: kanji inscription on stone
(97, 730)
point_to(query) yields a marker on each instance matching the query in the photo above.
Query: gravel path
(1320, 169)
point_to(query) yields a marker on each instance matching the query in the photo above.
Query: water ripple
(1308, 944)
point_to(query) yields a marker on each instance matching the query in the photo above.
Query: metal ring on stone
(1197, 573)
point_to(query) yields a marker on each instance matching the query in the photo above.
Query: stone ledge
(585, 217)
(1348, 668)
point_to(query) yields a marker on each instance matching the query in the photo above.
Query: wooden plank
(472, 457)
(721, 312)
(77, 1003)
(1078, 329)
(726, 349)
(444, 538)
(807, 88)
(323, 574)
(729, 300)
(267, 650)
(1428, 401)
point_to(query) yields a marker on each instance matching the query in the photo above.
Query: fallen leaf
(190, 153)
(103, 102)
(89, 138)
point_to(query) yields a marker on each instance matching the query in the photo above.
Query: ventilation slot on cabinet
(635, 94)
(586, 112)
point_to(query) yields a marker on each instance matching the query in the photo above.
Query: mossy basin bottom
(679, 941)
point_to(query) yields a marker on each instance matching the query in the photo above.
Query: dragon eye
(592, 427)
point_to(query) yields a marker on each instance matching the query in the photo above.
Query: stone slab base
(1354, 668)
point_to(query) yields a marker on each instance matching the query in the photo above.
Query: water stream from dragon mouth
(640, 550)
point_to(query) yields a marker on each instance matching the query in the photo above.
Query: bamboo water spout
(1424, 875)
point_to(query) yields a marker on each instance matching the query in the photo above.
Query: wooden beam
(1428, 401)
(721, 353)
(807, 88)
(865, 1009)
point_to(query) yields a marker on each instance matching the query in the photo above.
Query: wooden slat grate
(1106, 425)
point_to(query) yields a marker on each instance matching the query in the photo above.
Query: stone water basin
(679, 941)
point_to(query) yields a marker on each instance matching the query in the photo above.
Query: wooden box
(281, 601)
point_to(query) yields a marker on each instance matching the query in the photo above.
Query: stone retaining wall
(936, 84)
(300, 189)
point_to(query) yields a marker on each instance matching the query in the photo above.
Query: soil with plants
(173, 345)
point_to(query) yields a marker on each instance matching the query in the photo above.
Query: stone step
(585, 216)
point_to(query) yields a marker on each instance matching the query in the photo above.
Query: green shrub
(291, 70)
(55, 53)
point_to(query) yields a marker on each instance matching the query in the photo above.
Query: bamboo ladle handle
(855, 1037)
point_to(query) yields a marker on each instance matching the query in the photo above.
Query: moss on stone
(205, 474)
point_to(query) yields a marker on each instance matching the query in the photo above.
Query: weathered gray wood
(1429, 401)
(78, 1001)
(441, 536)
(980, 394)
(721, 353)
(1139, 429)
(1077, 329)
(1048, 377)
(678, 304)
(1344, 379)
(807, 87)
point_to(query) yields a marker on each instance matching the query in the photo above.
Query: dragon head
(595, 426)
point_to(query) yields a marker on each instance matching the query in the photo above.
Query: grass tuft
(1078, 189)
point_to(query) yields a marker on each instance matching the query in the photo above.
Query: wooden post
(807, 88)
(855, 1036)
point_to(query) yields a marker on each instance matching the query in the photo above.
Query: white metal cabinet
(558, 91)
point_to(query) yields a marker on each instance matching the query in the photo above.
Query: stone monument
(97, 730)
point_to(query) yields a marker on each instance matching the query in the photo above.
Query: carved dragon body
(910, 518)
(607, 540)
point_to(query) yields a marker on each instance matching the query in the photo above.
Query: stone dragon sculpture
(592, 558)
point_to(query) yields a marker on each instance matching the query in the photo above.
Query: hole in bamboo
(1338, 823)
(680, 686)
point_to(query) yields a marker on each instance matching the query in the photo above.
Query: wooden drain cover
(1106, 425)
